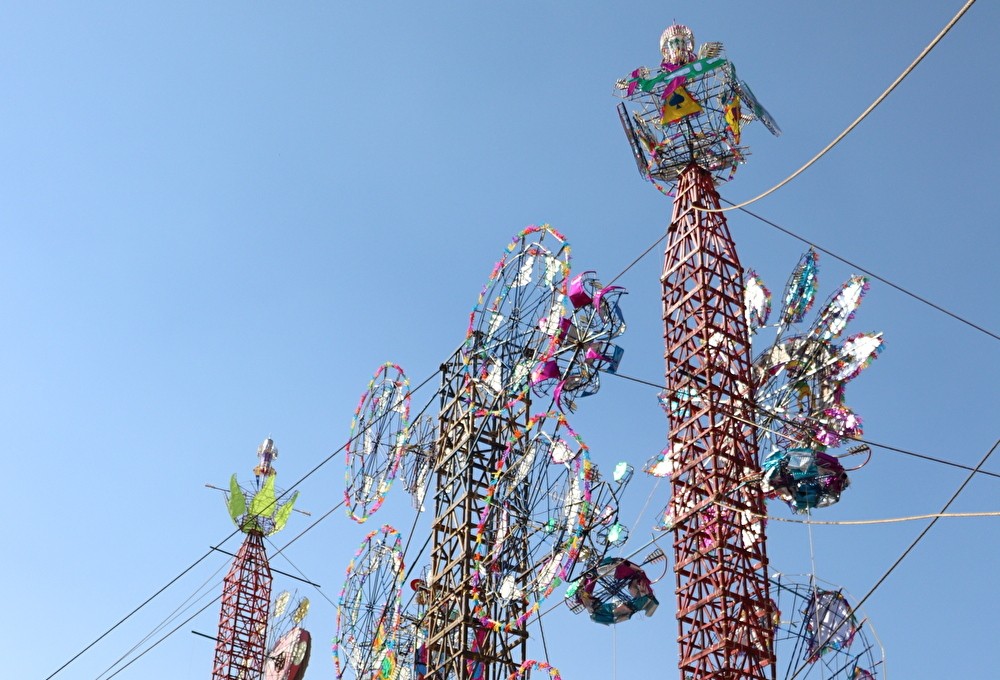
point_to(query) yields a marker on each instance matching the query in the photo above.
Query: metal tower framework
(240, 647)
(461, 643)
(724, 611)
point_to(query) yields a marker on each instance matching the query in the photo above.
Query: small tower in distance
(241, 643)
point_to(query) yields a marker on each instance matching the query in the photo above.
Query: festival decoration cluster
(800, 381)
(521, 508)
(543, 514)
(615, 590)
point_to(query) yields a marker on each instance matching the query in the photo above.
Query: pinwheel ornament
(582, 344)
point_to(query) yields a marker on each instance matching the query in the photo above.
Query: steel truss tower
(461, 640)
(724, 612)
(240, 647)
(241, 644)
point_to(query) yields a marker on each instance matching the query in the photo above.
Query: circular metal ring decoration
(533, 522)
(368, 610)
(379, 435)
(515, 322)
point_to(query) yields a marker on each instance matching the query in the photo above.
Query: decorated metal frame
(692, 109)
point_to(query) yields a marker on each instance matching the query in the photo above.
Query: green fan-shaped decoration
(237, 503)
(264, 515)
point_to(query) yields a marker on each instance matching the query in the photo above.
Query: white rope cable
(864, 114)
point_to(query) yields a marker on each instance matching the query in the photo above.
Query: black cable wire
(155, 644)
(923, 533)
(131, 613)
(832, 254)
(281, 550)
(870, 273)
(636, 260)
(166, 621)
(344, 445)
(860, 440)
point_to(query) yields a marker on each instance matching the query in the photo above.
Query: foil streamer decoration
(524, 670)
(581, 346)
(802, 407)
(280, 604)
(818, 633)
(857, 354)
(757, 299)
(759, 112)
(799, 384)
(836, 423)
(800, 291)
(830, 623)
(804, 478)
(840, 309)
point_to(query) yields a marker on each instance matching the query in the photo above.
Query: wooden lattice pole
(460, 643)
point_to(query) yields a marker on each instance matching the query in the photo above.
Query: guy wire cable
(210, 581)
(923, 533)
(870, 273)
(860, 440)
(826, 251)
(155, 644)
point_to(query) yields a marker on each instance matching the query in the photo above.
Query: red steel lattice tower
(724, 612)
(241, 644)
(246, 596)
(684, 122)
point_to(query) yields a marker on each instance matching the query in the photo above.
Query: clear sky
(217, 219)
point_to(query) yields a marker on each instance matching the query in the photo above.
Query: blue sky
(218, 220)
